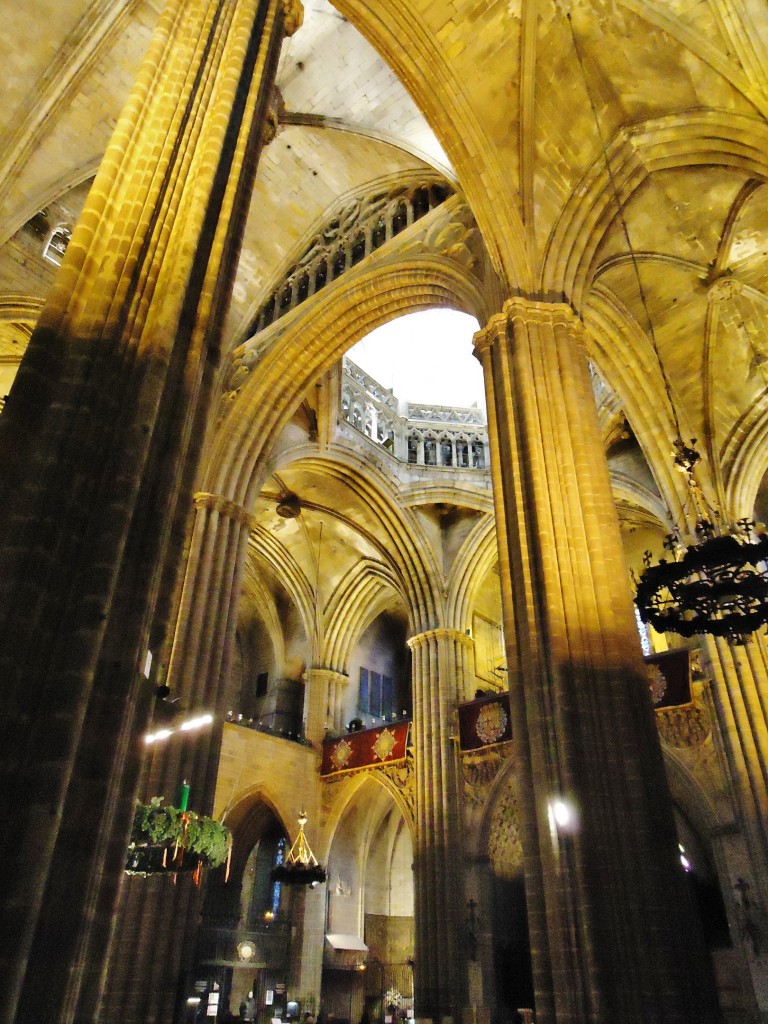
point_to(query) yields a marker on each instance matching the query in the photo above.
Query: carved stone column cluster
(739, 692)
(610, 926)
(204, 622)
(323, 703)
(440, 976)
(151, 906)
(99, 443)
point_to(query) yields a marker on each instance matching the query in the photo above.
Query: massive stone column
(611, 931)
(99, 443)
(440, 976)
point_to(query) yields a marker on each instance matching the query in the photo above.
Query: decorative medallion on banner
(657, 684)
(341, 754)
(485, 721)
(492, 723)
(384, 745)
(669, 679)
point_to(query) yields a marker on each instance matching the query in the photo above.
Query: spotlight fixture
(187, 725)
(563, 819)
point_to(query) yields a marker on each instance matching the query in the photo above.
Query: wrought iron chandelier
(300, 866)
(717, 583)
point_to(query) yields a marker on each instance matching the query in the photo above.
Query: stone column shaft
(437, 679)
(98, 453)
(307, 944)
(323, 703)
(740, 699)
(610, 927)
(143, 978)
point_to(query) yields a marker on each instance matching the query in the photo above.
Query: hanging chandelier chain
(718, 583)
(624, 227)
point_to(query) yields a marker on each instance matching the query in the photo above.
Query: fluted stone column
(739, 691)
(323, 709)
(307, 943)
(207, 610)
(337, 694)
(611, 932)
(323, 703)
(99, 442)
(439, 664)
(155, 936)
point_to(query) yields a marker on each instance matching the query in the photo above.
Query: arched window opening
(321, 275)
(430, 451)
(420, 203)
(400, 219)
(379, 235)
(56, 243)
(358, 249)
(339, 262)
(413, 449)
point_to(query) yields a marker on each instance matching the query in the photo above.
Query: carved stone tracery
(684, 727)
(357, 228)
(479, 769)
(505, 849)
(399, 778)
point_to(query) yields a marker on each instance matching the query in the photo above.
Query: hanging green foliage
(168, 828)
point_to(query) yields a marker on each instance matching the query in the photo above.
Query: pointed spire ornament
(300, 866)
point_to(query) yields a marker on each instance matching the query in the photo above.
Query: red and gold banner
(669, 679)
(485, 721)
(368, 749)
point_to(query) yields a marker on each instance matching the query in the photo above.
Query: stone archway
(243, 948)
(368, 965)
(502, 915)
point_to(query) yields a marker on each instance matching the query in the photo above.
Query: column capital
(421, 639)
(323, 673)
(224, 506)
(271, 124)
(529, 312)
(293, 16)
